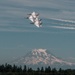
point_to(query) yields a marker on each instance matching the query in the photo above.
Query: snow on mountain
(41, 56)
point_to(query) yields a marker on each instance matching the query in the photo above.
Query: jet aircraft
(38, 22)
(34, 17)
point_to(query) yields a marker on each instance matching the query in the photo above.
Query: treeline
(7, 69)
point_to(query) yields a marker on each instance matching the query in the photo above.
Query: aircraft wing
(31, 18)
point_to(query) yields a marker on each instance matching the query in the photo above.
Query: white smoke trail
(63, 27)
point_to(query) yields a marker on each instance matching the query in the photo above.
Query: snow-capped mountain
(42, 57)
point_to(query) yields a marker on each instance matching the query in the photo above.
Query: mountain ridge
(42, 58)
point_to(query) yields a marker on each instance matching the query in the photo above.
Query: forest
(7, 69)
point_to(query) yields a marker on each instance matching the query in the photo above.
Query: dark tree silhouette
(25, 68)
(8, 69)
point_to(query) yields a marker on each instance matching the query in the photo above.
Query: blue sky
(18, 36)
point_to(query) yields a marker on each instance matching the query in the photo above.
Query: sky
(18, 36)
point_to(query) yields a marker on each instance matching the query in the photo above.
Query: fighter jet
(38, 22)
(34, 17)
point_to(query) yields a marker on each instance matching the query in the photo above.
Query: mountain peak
(41, 57)
(39, 52)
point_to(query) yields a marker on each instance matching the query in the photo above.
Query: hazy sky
(18, 36)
